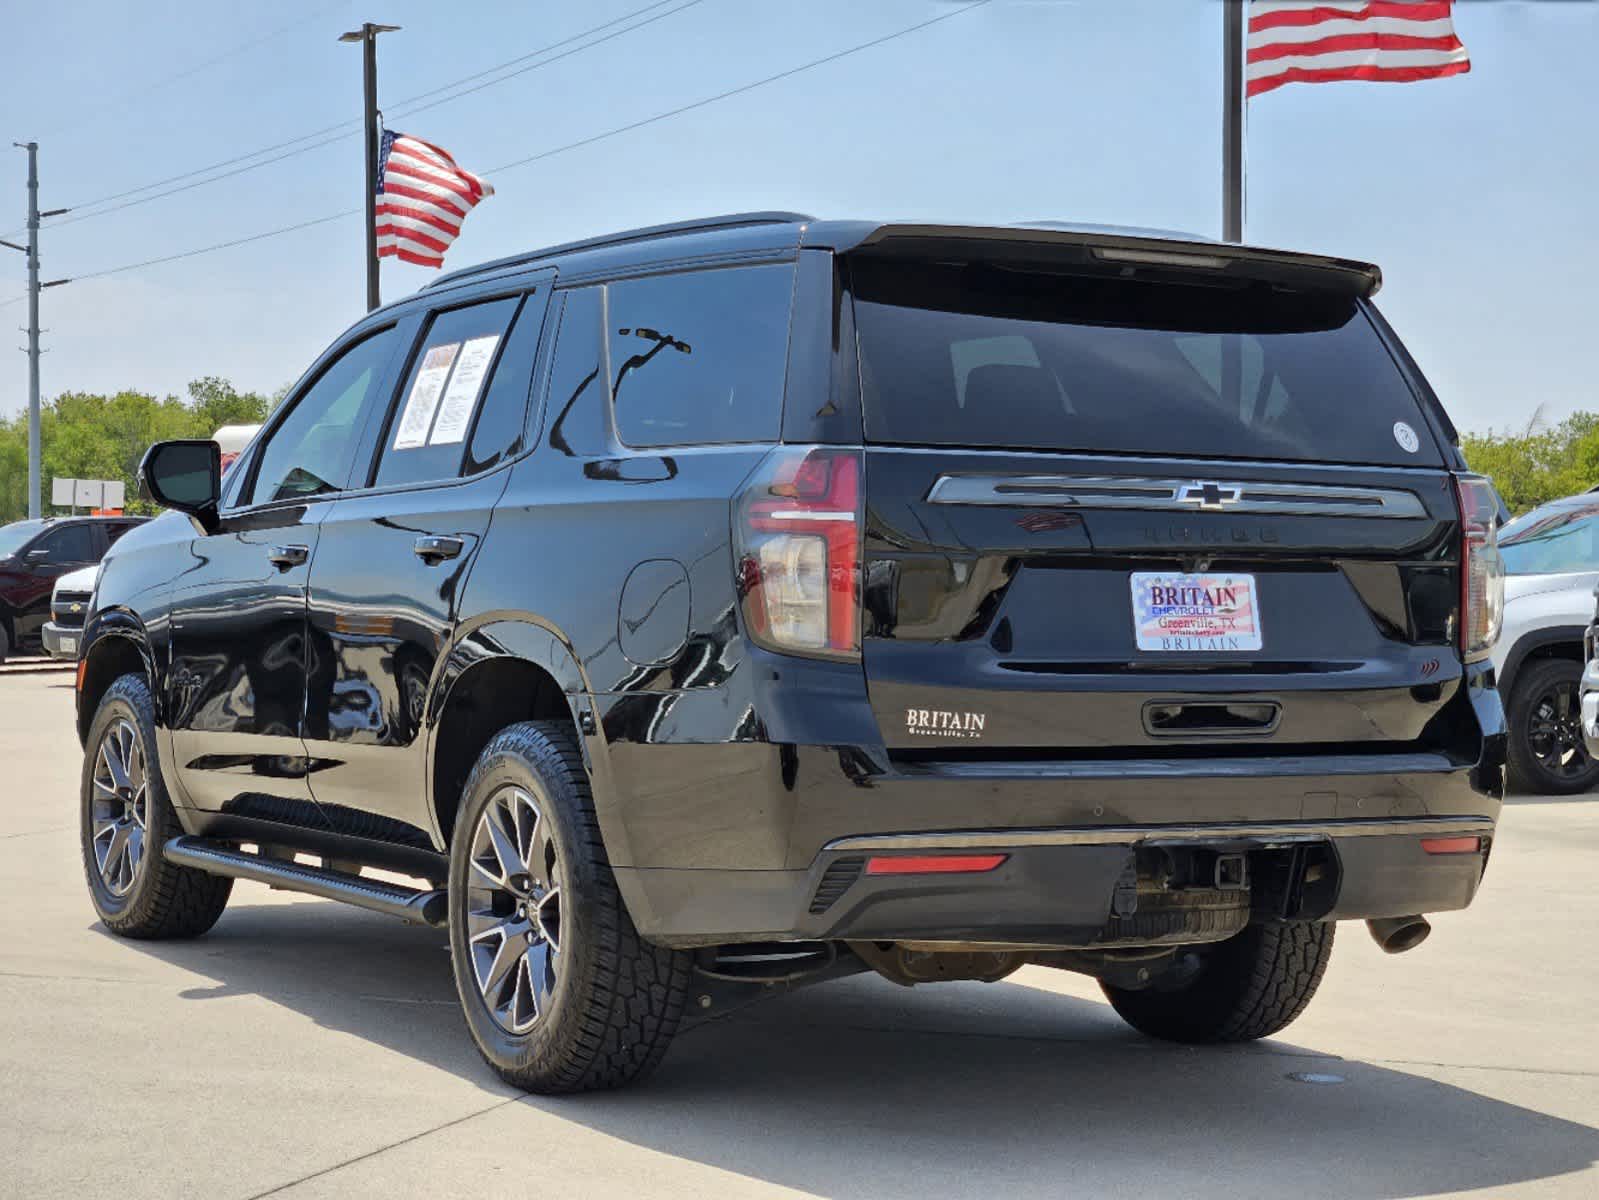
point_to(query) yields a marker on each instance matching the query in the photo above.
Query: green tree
(85, 435)
(1538, 463)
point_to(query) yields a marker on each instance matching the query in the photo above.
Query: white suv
(1552, 567)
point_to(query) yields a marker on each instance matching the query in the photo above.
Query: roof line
(646, 233)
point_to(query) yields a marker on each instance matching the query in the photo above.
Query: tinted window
(577, 388)
(1551, 541)
(433, 414)
(310, 453)
(116, 529)
(502, 422)
(69, 544)
(700, 357)
(16, 535)
(972, 355)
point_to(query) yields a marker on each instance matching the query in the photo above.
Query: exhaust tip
(1397, 934)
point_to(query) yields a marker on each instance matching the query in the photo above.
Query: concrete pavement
(304, 1049)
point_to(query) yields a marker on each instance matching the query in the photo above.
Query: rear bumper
(57, 638)
(1055, 887)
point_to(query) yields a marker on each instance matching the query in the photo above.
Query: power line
(588, 141)
(196, 68)
(254, 237)
(738, 91)
(347, 129)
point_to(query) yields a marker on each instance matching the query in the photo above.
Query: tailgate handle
(1211, 718)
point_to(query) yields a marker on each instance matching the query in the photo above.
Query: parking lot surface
(304, 1049)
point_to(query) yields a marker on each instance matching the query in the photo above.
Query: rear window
(966, 354)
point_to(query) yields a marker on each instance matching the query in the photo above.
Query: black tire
(1250, 986)
(613, 1001)
(160, 900)
(1547, 752)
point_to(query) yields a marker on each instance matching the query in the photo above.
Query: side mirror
(185, 476)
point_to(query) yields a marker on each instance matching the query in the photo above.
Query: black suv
(717, 608)
(33, 555)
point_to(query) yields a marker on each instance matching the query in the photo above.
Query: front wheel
(1548, 753)
(559, 991)
(126, 818)
(1250, 986)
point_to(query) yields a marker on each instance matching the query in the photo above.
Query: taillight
(1482, 570)
(797, 537)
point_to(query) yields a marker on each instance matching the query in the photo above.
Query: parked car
(69, 607)
(718, 608)
(33, 554)
(1551, 560)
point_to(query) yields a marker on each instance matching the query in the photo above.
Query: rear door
(393, 560)
(1146, 513)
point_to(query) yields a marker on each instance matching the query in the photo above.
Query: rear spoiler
(1099, 249)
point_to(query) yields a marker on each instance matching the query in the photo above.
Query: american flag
(422, 199)
(1295, 42)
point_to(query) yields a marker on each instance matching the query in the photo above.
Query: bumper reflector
(934, 864)
(1452, 845)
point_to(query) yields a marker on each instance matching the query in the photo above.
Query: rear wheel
(1250, 986)
(1548, 753)
(126, 818)
(559, 991)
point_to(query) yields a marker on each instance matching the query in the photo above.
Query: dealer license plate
(69, 645)
(1195, 613)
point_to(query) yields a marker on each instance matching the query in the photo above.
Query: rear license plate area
(1181, 613)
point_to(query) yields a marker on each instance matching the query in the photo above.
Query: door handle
(432, 549)
(284, 557)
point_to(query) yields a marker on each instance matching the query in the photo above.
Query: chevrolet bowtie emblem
(77, 608)
(1209, 495)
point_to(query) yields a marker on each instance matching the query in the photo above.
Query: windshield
(966, 354)
(1551, 541)
(16, 535)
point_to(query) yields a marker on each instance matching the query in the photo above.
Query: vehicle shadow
(862, 1088)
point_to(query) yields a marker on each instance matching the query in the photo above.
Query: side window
(700, 357)
(69, 544)
(428, 427)
(576, 403)
(502, 423)
(115, 530)
(310, 453)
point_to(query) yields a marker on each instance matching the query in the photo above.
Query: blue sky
(1475, 194)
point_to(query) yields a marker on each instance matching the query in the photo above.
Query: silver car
(1552, 567)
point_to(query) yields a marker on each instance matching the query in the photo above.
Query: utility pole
(367, 35)
(34, 287)
(1232, 121)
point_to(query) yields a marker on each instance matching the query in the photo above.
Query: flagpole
(367, 35)
(1232, 121)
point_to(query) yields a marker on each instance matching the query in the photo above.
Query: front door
(54, 553)
(235, 690)
(393, 560)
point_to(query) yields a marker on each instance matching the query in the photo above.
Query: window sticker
(417, 418)
(460, 398)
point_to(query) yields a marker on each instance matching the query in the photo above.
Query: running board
(218, 858)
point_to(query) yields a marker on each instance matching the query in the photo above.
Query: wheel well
(1559, 648)
(109, 660)
(483, 701)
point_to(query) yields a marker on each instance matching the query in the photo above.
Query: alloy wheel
(1554, 732)
(513, 909)
(120, 807)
